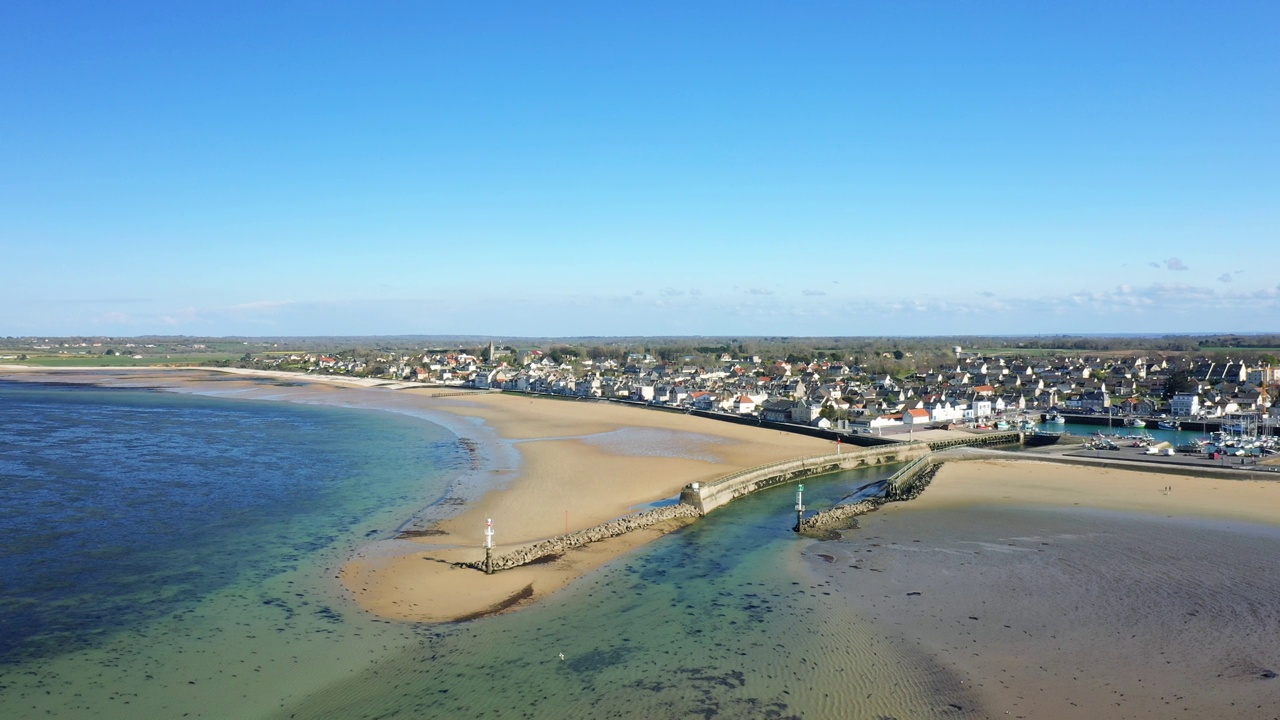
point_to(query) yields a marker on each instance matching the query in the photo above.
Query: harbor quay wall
(1116, 422)
(997, 438)
(706, 497)
(1260, 472)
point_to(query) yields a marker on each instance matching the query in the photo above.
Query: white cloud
(260, 305)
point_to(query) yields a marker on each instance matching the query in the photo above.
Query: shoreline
(1013, 573)
(543, 468)
(539, 467)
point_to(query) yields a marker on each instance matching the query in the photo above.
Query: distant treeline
(889, 354)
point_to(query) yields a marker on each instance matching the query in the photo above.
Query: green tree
(1180, 381)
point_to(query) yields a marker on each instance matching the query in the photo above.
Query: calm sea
(173, 555)
(120, 506)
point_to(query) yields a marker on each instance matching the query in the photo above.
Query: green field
(1054, 352)
(1028, 352)
(119, 360)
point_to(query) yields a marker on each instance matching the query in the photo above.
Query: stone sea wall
(550, 549)
(838, 515)
(722, 491)
(907, 484)
(698, 500)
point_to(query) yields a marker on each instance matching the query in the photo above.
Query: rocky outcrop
(549, 550)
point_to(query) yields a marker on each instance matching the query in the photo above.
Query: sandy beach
(1028, 482)
(1058, 591)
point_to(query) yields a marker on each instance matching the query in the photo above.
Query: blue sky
(651, 169)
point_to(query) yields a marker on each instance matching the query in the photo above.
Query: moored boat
(1043, 437)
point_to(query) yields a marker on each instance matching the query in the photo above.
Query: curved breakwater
(698, 499)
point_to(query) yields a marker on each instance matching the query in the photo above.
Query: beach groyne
(550, 549)
(838, 515)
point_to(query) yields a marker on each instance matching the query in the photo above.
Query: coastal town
(972, 389)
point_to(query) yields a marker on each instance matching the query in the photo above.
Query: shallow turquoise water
(233, 612)
(716, 620)
(141, 527)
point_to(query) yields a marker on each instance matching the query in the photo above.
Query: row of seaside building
(972, 389)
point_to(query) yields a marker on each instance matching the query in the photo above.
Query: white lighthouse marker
(799, 506)
(488, 546)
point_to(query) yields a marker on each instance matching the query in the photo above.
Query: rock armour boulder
(549, 549)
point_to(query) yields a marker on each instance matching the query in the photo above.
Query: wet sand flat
(1066, 592)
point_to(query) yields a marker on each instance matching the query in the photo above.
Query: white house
(981, 408)
(915, 416)
(1185, 404)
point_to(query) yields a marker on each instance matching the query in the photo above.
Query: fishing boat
(1166, 425)
(1134, 422)
(1055, 418)
(1195, 447)
(1043, 437)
